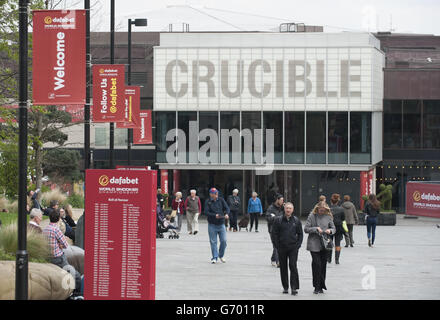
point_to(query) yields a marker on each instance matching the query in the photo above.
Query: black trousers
(319, 269)
(289, 257)
(275, 256)
(254, 217)
(233, 219)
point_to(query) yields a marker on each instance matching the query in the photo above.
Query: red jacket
(176, 204)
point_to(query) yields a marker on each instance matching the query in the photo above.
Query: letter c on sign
(169, 79)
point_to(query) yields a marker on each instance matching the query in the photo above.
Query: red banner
(366, 185)
(423, 199)
(164, 181)
(120, 240)
(132, 109)
(143, 134)
(59, 57)
(108, 92)
(134, 168)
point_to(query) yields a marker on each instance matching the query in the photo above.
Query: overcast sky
(403, 16)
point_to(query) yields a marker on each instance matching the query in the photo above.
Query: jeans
(233, 219)
(213, 231)
(371, 228)
(319, 269)
(254, 217)
(290, 254)
(63, 264)
(179, 221)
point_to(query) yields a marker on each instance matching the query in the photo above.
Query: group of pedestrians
(326, 226)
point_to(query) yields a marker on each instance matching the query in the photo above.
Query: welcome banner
(108, 92)
(132, 108)
(143, 134)
(59, 57)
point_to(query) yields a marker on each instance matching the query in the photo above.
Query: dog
(243, 223)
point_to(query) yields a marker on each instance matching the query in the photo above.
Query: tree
(62, 165)
(45, 124)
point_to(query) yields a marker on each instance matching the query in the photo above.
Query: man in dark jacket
(287, 235)
(217, 211)
(234, 204)
(275, 210)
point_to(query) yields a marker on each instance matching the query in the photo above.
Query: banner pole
(21, 262)
(112, 61)
(87, 160)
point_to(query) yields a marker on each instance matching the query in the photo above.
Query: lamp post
(87, 159)
(21, 262)
(137, 23)
(112, 61)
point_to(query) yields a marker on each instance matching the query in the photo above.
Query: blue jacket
(254, 206)
(213, 208)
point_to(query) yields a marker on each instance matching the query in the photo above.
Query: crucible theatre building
(293, 113)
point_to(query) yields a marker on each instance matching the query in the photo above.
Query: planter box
(383, 219)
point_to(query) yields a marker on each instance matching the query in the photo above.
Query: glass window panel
(165, 121)
(250, 120)
(101, 137)
(392, 124)
(231, 120)
(183, 121)
(431, 124)
(316, 134)
(209, 120)
(412, 116)
(294, 142)
(337, 137)
(121, 137)
(360, 137)
(274, 120)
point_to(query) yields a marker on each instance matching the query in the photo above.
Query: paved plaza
(406, 259)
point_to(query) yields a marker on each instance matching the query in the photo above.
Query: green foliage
(76, 201)
(37, 245)
(9, 169)
(62, 165)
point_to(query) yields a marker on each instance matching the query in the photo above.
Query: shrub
(55, 194)
(76, 201)
(13, 206)
(3, 204)
(37, 245)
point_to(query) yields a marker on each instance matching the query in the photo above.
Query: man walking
(234, 204)
(216, 210)
(275, 210)
(193, 208)
(287, 235)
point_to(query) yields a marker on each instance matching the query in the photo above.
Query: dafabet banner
(423, 199)
(132, 108)
(59, 57)
(120, 238)
(108, 92)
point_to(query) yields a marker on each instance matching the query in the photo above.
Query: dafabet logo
(103, 180)
(417, 196)
(48, 20)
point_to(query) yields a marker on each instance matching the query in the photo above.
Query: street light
(137, 23)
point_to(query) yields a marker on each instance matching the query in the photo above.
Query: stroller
(161, 227)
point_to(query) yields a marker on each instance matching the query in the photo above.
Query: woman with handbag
(371, 210)
(319, 226)
(338, 219)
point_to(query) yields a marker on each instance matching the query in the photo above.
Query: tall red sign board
(366, 184)
(120, 238)
(143, 134)
(59, 57)
(423, 199)
(108, 92)
(132, 109)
